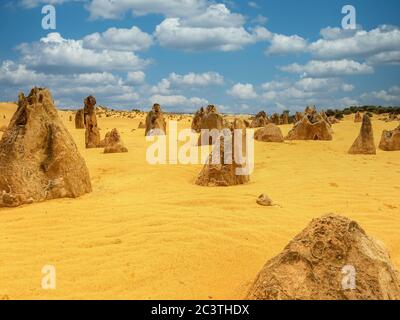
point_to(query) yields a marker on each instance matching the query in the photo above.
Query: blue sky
(243, 56)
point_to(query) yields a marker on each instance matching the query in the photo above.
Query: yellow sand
(148, 232)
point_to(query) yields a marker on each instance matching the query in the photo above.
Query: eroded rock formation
(311, 127)
(270, 133)
(79, 119)
(222, 167)
(38, 157)
(155, 122)
(92, 133)
(112, 142)
(260, 120)
(364, 144)
(331, 259)
(390, 140)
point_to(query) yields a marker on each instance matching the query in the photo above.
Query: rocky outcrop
(38, 158)
(311, 127)
(210, 121)
(364, 144)
(222, 167)
(331, 259)
(270, 133)
(92, 133)
(79, 119)
(260, 120)
(112, 143)
(390, 140)
(155, 122)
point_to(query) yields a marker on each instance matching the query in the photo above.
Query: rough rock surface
(155, 122)
(264, 200)
(211, 120)
(79, 119)
(320, 262)
(364, 144)
(197, 118)
(358, 117)
(38, 158)
(390, 140)
(260, 120)
(222, 169)
(270, 133)
(112, 143)
(308, 130)
(276, 119)
(298, 116)
(92, 133)
(285, 118)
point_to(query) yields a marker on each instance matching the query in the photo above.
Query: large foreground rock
(321, 262)
(364, 144)
(390, 140)
(38, 157)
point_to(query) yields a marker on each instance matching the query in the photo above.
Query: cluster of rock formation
(38, 157)
(313, 126)
(314, 265)
(391, 117)
(260, 120)
(276, 119)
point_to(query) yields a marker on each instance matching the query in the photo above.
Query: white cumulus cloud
(281, 44)
(56, 54)
(243, 91)
(132, 39)
(315, 68)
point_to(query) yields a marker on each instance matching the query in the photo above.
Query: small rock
(264, 200)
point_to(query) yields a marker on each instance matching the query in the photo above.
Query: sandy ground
(148, 232)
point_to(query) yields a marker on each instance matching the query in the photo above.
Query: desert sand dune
(148, 232)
